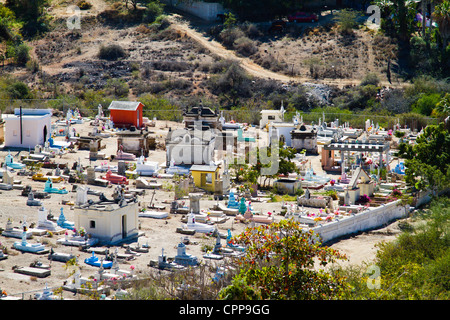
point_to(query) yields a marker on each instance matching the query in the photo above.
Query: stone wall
(366, 220)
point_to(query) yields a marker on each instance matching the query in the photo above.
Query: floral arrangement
(364, 198)
(396, 193)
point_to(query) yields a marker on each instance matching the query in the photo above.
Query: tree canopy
(279, 264)
(427, 161)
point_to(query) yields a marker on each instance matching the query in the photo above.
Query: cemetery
(121, 212)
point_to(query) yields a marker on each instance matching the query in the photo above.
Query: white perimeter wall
(206, 11)
(366, 220)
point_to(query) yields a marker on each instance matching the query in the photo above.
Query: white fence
(366, 220)
(204, 10)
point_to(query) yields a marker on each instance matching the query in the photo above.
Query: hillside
(185, 53)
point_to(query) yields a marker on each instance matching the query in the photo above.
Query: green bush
(414, 266)
(426, 103)
(84, 5)
(111, 52)
(370, 78)
(346, 20)
(22, 54)
(153, 11)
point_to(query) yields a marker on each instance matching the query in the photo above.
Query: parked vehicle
(277, 26)
(303, 17)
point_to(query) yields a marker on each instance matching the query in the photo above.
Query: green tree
(31, 13)
(22, 54)
(397, 18)
(427, 161)
(9, 26)
(426, 103)
(278, 264)
(346, 20)
(442, 16)
(154, 10)
(118, 87)
(443, 105)
(18, 90)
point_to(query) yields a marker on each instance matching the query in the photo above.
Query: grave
(93, 180)
(196, 226)
(183, 258)
(153, 214)
(25, 246)
(44, 225)
(8, 181)
(194, 202)
(164, 263)
(217, 253)
(50, 189)
(60, 256)
(33, 202)
(9, 161)
(77, 240)
(231, 245)
(142, 183)
(63, 223)
(121, 155)
(147, 168)
(12, 232)
(319, 201)
(94, 261)
(35, 272)
(115, 178)
(47, 294)
(232, 203)
(3, 256)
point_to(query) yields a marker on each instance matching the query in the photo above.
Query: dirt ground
(158, 234)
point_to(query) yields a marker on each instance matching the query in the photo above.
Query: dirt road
(247, 64)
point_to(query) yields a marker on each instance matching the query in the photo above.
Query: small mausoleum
(110, 221)
(305, 137)
(205, 176)
(188, 147)
(27, 128)
(125, 114)
(203, 116)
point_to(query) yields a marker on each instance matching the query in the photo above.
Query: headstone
(242, 206)
(8, 178)
(194, 202)
(81, 195)
(121, 168)
(90, 175)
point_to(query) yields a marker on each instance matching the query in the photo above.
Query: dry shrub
(245, 46)
(269, 62)
(143, 29)
(111, 52)
(230, 35)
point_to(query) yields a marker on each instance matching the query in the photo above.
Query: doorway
(45, 134)
(124, 226)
